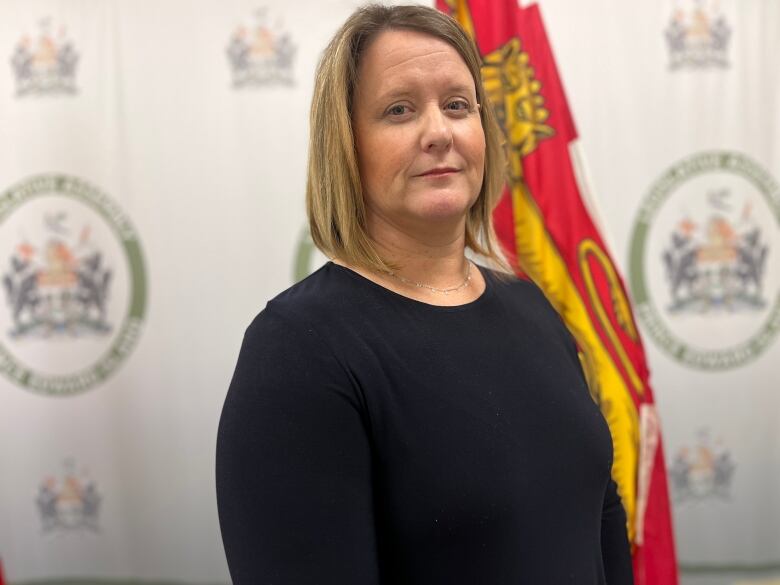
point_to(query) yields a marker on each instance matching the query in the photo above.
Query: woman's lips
(438, 173)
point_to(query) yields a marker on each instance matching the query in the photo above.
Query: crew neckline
(486, 276)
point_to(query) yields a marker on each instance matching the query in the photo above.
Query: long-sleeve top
(368, 438)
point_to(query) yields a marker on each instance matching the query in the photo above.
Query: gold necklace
(445, 291)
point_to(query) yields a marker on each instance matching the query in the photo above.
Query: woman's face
(418, 134)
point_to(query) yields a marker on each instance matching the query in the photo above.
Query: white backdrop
(190, 117)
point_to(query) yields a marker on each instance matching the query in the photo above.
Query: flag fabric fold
(547, 231)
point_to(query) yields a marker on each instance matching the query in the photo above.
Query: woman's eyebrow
(403, 92)
(395, 94)
(460, 88)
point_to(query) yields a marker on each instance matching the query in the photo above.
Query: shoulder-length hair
(334, 194)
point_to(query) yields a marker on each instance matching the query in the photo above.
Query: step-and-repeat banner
(152, 171)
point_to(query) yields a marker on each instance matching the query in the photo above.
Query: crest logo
(59, 287)
(702, 271)
(718, 265)
(74, 284)
(260, 55)
(45, 65)
(697, 36)
(704, 471)
(70, 502)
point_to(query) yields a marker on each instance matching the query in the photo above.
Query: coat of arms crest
(698, 37)
(260, 55)
(59, 286)
(716, 264)
(71, 502)
(46, 64)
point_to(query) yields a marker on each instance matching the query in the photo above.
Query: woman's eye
(458, 106)
(397, 110)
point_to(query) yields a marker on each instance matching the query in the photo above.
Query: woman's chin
(444, 208)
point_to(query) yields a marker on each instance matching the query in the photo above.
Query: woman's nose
(436, 130)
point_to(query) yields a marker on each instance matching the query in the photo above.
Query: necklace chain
(445, 291)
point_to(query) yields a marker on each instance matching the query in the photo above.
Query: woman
(404, 416)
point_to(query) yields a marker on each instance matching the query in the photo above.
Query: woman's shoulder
(307, 305)
(296, 321)
(316, 292)
(518, 289)
(527, 300)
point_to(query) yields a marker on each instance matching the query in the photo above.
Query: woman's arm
(294, 465)
(615, 549)
(614, 539)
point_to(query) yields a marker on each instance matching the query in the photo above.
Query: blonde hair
(334, 193)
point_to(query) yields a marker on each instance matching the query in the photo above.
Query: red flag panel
(544, 224)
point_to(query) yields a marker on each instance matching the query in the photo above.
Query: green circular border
(659, 192)
(129, 333)
(303, 254)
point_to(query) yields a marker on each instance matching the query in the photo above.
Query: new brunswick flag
(545, 225)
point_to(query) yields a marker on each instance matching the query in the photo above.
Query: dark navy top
(368, 438)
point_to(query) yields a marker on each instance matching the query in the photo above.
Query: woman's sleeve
(615, 549)
(293, 465)
(614, 539)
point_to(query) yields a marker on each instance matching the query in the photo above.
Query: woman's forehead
(400, 60)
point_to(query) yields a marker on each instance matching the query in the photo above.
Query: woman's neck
(425, 261)
(442, 266)
(433, 255)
